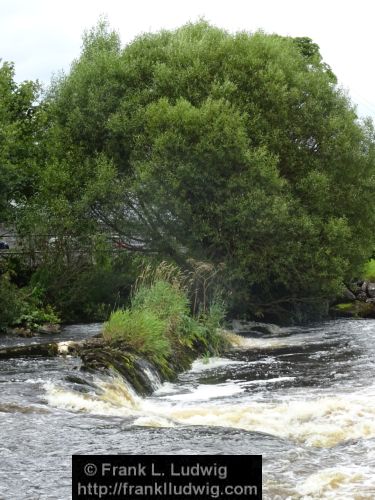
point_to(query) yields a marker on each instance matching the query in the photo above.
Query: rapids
(304, 398)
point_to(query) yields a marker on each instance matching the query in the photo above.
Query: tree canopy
(237, 149)
(20, 129)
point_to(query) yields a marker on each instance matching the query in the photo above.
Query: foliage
(88, 285)
(236, 150)
(346, 306)
(159, 318)
(20, 131)
(35, 314)
(142, 331)
(165, 301)
(235, 156)
(23, 307)
(369, 270)
(10, 303)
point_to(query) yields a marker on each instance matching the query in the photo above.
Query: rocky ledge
(358, 301)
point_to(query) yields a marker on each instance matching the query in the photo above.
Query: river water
(304, 398)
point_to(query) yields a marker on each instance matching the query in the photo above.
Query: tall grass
(166, 301)
(142, 331)
(160, 317)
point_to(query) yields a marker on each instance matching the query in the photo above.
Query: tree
(19, 135)
(237, 149)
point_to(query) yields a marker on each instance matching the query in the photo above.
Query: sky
(42, 37)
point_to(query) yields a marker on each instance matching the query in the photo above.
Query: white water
(311, 393)
(321, 422)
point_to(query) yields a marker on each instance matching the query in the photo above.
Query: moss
(355, 309)
(347, 306)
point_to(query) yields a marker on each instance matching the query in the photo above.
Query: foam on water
(267, 343)
(338, 482)
(201, 365)
(323, 422)
(320, 422)
(267, 381)
(205, 392)
(115, 398)
(330, 427)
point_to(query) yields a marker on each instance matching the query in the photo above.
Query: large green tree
(20, 133)
(238, 149)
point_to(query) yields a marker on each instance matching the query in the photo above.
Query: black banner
(166, 477)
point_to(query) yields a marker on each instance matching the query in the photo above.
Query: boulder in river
(371, 290)
(243, 327)
(31, 350)
(20, 331)
(49, 328)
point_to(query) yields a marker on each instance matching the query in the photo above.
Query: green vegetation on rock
(159, 323)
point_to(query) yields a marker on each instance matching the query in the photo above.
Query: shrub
(22, 306)
(10, 302)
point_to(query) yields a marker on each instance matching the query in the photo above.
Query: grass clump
(168, 302)
(160, 319)
(141, 330)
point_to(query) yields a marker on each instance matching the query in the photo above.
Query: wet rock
(97, 355)
(49, 328)
(250, 327)
(68, 347)
(362, 296)
(371, 290)
(20, 332)
(46, 350)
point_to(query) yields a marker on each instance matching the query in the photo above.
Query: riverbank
(358, 300)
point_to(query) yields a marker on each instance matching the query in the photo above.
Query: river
(304, 398)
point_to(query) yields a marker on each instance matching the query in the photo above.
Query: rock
(29, 350)
(364, 287)
(49, 328)
(99, 356)
(371, 290)
(362, 296)
(347, 295)
(68, 347)
(250, 327)
(21, 332)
